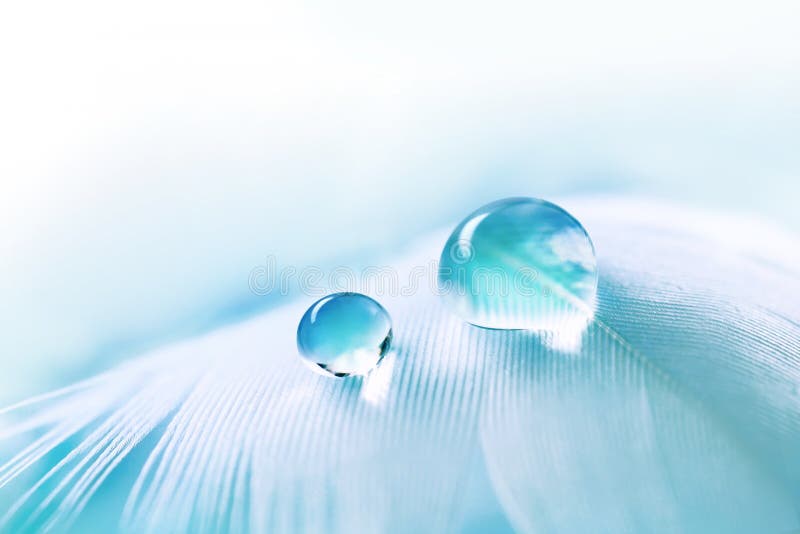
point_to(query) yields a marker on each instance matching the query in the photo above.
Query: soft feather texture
(680, 412)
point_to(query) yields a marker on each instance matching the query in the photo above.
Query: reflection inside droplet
(344, 334)
(521, 263)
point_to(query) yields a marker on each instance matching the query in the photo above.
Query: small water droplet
(344, 334)
(520, 263)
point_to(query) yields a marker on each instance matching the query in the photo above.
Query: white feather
(680, 411)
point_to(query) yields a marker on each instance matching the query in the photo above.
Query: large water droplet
(344, 334)
(520, 263)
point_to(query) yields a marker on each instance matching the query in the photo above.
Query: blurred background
(153, 153)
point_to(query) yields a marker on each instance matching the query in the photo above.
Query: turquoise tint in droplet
(344, 334)
(520, 263)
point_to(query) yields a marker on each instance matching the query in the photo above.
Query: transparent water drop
(344, 334)
(520, 263)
